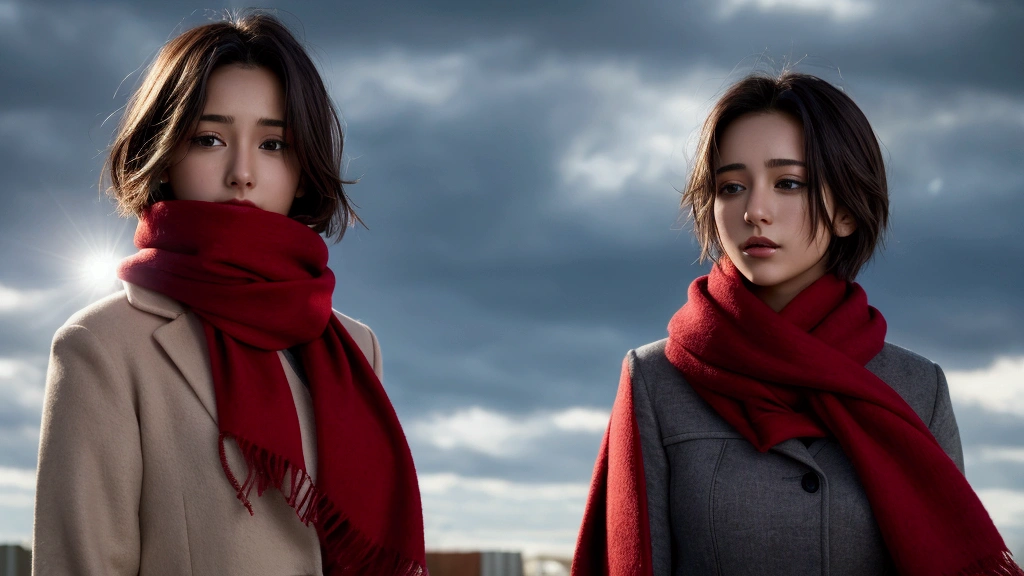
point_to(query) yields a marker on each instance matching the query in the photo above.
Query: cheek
(723, 216)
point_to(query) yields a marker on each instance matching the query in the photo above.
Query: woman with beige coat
(218, 416)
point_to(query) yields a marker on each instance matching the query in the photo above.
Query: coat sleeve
(90, 464)
(656, 472)
(943, 424)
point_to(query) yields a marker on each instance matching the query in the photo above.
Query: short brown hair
(165, 109)
(840, 149)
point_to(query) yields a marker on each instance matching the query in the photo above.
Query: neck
(777, 296)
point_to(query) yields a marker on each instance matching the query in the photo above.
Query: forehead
(759, 137)
(238, 90)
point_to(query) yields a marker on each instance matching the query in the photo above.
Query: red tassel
(347, 550)
(1001, 564)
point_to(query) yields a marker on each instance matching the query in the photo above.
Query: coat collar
(153, 302)
(182, 339)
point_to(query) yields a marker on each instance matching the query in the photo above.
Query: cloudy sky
(519, 166)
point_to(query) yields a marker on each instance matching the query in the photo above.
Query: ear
(164, 177)
(299, 192)
(843, 223)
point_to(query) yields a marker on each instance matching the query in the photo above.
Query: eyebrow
(222, 119)
(773, 163)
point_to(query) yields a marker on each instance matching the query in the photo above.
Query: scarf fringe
(1000, 564)
(347, 549)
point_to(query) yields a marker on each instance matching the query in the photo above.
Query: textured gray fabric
(718, 506)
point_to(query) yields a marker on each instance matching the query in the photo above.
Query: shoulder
(661, 389)
(118, 318)
(899, 362)
(648, 362)
(364, 337)
(911, 375)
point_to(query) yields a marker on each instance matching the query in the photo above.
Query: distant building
(475, 563)
(15, 560)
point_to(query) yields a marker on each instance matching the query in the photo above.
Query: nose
(760, 206)
(240, 174)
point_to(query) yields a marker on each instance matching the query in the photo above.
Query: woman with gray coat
(775, 431)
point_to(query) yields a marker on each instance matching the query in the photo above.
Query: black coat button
(810, 482)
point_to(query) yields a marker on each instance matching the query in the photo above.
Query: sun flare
(99, 270)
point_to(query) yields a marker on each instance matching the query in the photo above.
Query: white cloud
(438, 86)
(23, 301)
(496, 434)
(125, 44)
(626, 129)
(581, 420)
(385, 84)
(491, 513)
(22, 382)
(998, 387)
(1000, 454)
(906, 115)
(19, 478)
(443, 483)
(637, 134)
(16, 499)
(1006, 507)
(840, 10)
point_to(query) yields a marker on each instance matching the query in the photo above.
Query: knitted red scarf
(797, 373)
(615, 537)
(259, 282)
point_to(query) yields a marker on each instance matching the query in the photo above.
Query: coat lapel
(182, 339)
(796, 450)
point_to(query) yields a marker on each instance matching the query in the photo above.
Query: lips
(758, 242)
(239, 202)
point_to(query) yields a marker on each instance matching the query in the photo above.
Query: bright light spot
(100, 271)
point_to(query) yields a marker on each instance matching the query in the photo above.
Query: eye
(207, 141)
(730, 189)
(273, 145)
(788, 184)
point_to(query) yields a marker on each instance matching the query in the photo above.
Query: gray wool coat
(717, 506)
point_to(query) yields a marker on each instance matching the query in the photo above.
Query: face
(762, 207)
(239, 151)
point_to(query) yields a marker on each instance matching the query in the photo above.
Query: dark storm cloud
(494, 275)
(458, 203)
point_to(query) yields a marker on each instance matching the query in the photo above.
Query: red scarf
(615, 537)
(259, 283)
(797, 373)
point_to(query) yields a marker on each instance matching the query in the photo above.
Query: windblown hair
(840, 149)
(165, 110)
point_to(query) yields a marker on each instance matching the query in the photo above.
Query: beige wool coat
(130, 479)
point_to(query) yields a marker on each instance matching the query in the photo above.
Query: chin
(762, 278)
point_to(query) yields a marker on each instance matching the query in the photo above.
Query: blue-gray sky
(519, 166)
